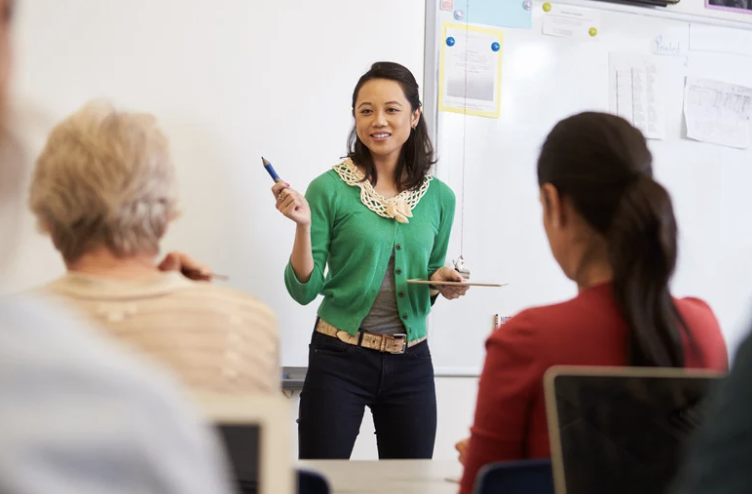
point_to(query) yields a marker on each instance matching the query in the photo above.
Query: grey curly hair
(105, 178)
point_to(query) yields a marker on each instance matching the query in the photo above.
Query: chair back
(310, 482)
(518, 477)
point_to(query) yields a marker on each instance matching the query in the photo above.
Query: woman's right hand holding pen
(292, 204)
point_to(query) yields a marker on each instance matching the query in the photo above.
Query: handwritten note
(717, 112)
(670, 45)
(634, 93)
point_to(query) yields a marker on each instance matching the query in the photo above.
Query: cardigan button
(404, 316)
(399, 271)
(399, 247)
(401, 294)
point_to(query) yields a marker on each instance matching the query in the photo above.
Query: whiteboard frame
(431, 71)
(433, 29)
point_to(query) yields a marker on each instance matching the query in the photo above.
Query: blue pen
(271, 171)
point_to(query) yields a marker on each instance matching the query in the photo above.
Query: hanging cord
(464, 136)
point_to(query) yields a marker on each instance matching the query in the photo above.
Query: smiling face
(384, 118)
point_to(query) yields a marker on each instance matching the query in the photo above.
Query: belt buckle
(399, 337)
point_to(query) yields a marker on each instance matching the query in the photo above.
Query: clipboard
(455, 283)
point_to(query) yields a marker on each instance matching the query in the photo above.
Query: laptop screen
(242, 445)
(624, 434)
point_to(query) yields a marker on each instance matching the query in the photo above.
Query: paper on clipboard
(455, 283)
(470, 70)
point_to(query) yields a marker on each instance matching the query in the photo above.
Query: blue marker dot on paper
(495, 46)
(450, 41)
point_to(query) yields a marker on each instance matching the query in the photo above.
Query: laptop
(621, 430)
(255, 434)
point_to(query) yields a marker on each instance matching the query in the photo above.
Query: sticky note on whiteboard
(500, 13)
(565, 21)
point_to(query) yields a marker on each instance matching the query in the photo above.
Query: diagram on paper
(634, 93)
(717, 112)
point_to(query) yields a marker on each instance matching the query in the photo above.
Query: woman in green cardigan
(375, 220)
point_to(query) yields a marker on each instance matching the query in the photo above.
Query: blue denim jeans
(343, 379)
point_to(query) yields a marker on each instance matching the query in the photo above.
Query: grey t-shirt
(384, 315)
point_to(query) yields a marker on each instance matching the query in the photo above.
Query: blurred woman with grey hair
(78, 414)
(104, 189)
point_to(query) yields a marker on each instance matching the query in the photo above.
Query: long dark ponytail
(603, 165)
(417, 156)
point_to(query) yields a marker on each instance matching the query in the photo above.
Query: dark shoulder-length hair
(417, 154)
(603, 165)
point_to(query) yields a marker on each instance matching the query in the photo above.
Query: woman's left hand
(461, 448)
(449, 274)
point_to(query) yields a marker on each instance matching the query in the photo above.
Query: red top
(510, 416)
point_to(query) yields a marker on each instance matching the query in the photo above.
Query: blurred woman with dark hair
(611, 228)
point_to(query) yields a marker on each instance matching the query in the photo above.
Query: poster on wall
(743, 6)
(470, 70)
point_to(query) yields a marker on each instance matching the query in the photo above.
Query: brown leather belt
(396, 343)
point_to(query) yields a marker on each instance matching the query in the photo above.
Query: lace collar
(398, 207)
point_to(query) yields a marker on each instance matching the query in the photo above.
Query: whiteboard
(545, 79)
(230, 81)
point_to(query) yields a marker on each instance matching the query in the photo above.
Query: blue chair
(518, 477)
(312, 483)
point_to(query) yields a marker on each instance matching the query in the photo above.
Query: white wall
(229, 81)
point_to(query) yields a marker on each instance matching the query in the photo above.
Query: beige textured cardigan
(213, 339)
